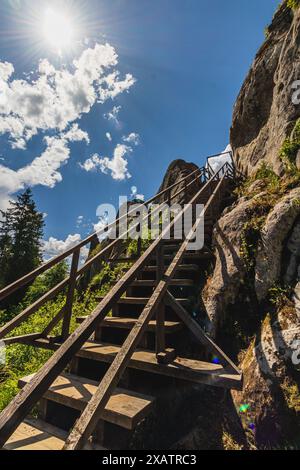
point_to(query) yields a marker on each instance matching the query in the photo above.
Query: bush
(293, 4)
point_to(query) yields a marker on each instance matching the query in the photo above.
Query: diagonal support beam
(199, 333)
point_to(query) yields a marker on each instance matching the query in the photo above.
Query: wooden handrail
(21, 405)
(24, 315)
(88, 420)
(25, 280)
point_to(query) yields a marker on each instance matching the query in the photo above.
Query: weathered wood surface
(200, 335)
(124, 408)
(88, 420)
(37, 435)
(25, 280)
(128, 324)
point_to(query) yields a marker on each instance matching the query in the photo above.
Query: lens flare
(58, 29)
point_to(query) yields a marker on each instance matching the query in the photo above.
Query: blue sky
(76, 132)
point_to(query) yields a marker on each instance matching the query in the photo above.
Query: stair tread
(153, 283)
(125, 408)
(139, 300)
(35, 434)
(128, 323)
(184, 368)
(182, 267)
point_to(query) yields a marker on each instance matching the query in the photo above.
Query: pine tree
(21, 231)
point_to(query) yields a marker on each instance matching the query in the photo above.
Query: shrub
(293, 4)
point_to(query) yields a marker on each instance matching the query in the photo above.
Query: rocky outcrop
(264, 114)
(278, 225)
(177, 170)
(270, 392)
(229, 272)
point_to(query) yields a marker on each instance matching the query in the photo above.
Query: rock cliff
(252, 297)
(264, 114)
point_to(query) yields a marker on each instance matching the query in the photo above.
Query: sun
(58, 29)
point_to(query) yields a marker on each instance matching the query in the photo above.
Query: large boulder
(264, 114)
(278, 225)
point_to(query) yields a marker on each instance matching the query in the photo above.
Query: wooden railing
(17, 410)
(76, 272)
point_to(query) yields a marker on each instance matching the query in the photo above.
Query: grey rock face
(229, 270)
(177, 170)
(264, 114)
(277, 227)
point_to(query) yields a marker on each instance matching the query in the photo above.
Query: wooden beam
(87, 422)
(24, 339)
(21, 405)
(23, 316)
(160, 338)
(199, 333)
(70, 296)
(25, 280)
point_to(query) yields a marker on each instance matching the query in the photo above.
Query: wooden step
(35, 434)
(181, 368)
(153, 283)
(183, 267)
(190, 255)
(140, 301)
(128, 324)
(191, 370)
(124, 408)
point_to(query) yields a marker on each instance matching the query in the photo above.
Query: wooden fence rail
(17, 410)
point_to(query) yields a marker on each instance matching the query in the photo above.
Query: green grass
(24, 360)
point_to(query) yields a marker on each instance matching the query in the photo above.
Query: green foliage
(21, 230)
(279, 296)
(290, 148)
(267, 174)
(293, 4)
(250, 237)
(267, 32)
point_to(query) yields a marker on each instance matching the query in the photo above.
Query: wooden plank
(124, 408)
(25, 280)
(191, 370)
(128, 324)
(88, 420)
(21, 405)
(139, 300)
(23, 316)
(183, 267)
(53, 322)
(24, 339)
(160, 338)
(70, 296)
(199, 333)
(37, 435)
(153, 283)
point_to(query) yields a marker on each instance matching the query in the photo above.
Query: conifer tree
(21, 231)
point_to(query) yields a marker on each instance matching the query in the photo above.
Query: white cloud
(79, 221)
(132, 138)
(217, 162)
(58, 97)
(113, 116)
(117, 165)
(108, 136)
(54, 247)
(43, 170)
(135, 195)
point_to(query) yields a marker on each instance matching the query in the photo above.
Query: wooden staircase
(105, 383)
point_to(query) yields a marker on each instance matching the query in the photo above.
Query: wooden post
(70, 295)
(160, 314)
